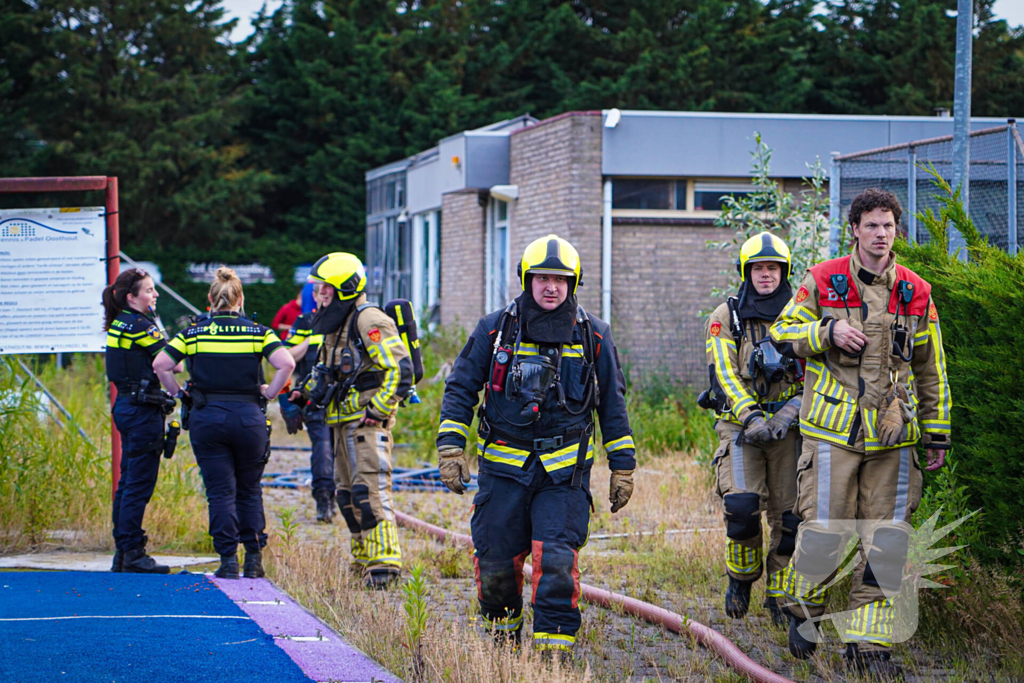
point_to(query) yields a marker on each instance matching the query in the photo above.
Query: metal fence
(995, 190)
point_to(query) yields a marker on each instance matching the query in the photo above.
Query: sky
(1011, 10)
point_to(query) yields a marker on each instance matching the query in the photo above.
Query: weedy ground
(665, 547)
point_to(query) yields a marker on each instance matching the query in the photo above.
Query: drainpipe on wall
(606, 253)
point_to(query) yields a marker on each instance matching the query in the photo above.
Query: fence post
(1011, 187)
(834, 210)
(962, 116)
(912, 195)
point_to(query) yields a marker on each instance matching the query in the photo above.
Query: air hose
(708, 637)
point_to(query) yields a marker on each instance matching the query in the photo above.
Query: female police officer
(133, 339)
(228, 425)
(547, 366)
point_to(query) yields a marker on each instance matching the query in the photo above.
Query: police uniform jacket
(730, 368)
(384, 372)
(225, 355)
(133, 340)
(470, 374)
(844, 393)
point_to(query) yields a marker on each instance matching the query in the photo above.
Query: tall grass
(52, 480)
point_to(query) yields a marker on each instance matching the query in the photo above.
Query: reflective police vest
(133, 340)
(224, 354)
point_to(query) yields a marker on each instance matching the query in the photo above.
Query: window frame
(690, 193)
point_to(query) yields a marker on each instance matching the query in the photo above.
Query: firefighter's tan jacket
(843, 394)
(731, 366)
(382, 353)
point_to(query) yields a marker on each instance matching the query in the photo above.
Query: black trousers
(140, 428)
(229, 441)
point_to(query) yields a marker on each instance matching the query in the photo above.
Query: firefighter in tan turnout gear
(756, 394)
(364, 372)
(875, 386)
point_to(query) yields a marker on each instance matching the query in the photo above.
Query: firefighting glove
(895, 413)
(454, 466)
(780, 422)
(756, 429)
(291, 413)
(621, 489)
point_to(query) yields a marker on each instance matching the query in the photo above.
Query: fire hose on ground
(708, 637)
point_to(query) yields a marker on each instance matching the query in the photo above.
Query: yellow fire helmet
(554, 256)
(342, 271)
(764, 247)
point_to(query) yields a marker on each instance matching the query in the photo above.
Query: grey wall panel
(487, 159)
(684, 144)
(424, 186)
(452, 176)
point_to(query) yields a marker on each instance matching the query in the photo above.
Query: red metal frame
(78, 184)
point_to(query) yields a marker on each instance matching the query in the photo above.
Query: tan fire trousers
(362, 477)
(753, 479)
(842, 492)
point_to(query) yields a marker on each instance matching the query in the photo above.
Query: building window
(710, 196)
(426, 271)
(674, 197)
(643, 194)
(386, 193)
(497, 264)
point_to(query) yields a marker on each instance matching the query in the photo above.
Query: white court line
(130, 616)
(304, 639)
(259, 602)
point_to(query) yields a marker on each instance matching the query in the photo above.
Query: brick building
(635, 192)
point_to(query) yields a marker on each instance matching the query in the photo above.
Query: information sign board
(52, 273)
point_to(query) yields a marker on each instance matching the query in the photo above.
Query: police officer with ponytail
(228, 425)
(546, 366)
(133, 339)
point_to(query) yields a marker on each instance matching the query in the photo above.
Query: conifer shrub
(981, 304)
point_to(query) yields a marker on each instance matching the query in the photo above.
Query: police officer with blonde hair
(364, 372)
(228, 425)
(546, 366)
(756, 393)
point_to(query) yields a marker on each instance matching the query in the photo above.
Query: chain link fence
(995, 192)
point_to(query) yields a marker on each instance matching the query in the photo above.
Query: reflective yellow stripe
(565, 457)
(619, 444)
(381, 355)
(774, 589)
(943, 403)
(799, 589)
(741, 559)
(503, 454)
(448, 426)
(505, 624)
(553, 641)
(872, 623)
(739, 398)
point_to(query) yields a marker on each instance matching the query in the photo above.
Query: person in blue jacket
(547, 366)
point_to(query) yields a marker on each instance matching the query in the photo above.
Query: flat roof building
(636, 192)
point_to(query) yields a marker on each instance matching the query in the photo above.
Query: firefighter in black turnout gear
(133, 339)
(228, 426)
(547, 366)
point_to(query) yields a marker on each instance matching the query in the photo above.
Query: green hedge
(981, 309)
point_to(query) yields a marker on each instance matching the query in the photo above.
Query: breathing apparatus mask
(767, 364)
(531, 378)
